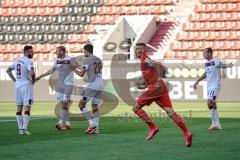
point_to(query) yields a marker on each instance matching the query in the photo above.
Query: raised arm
(46, 73)
(199, 79)
(222, 65)
(10, 74)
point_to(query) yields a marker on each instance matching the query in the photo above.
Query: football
(141, 84)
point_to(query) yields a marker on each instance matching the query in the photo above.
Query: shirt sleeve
(55, 64)
(149, 62)
(29, 65)
(12, 65)
(86, 65)
(74, 63)
(217, 62)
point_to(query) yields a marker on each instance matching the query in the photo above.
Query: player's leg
(65, 116)
(165, 103)
(19, 104)
(86, 112)
(212, 96)
(95, 103)
(26, 118)
(214, 115)
(137, 109)
(27, 102)
(64, 101)
(19, 118)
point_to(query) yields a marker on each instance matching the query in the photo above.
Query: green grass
(121, 138)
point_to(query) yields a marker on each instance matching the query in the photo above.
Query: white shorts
(24, 95)
(92, 95)
(63, 97)
(213, 93)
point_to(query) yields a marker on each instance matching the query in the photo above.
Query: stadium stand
(48, 23)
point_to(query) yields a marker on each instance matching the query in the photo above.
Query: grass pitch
(122, 135)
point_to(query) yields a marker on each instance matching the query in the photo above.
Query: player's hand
(195, 85)
(38, 78)
(230, 65)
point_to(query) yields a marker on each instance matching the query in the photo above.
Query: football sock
(19, 120)
(26, 118)
(64, 114)
(96, 117)
(88, 116)
(68, 123)
(60, 121)
(178, 120)
(217, 117)
(144, 116)
(212, 112)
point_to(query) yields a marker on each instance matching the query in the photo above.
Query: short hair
(62, 48)
(141, 45)
(88, 47)
(208, 50)
(26, 48)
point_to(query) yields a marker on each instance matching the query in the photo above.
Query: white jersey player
(24, 79)
(65, 66)
(92, 67)
(213, 74)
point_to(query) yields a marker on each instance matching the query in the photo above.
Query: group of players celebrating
(155, 91)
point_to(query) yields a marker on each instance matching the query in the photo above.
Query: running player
(24, 79)
(64, 65)
(156, 92)
(213, 74)
(92, 67)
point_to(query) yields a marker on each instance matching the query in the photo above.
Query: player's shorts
(24, 95)
(213, 93)
(159, 95)
(92, 95)
(63, 93)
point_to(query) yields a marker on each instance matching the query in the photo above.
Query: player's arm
(222, 65)
(53, 69)
(159, 66)
(10, 74)
(199, 79)
(33, 75)
(79, 72)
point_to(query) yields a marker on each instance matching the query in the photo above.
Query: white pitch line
(14, 120)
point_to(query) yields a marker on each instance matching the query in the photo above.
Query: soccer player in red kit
(156, 92)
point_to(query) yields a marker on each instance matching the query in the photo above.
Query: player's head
(61, 52)
(88, 50)
(208, 53)
(28, 51)
(139, 49)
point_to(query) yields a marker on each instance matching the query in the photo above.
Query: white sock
(19, 121)
(212, 112)
(64, 115)
(60, 121)
(68, 123)
(217, 118)
(88, 116)
(26, 119)
(96, 118)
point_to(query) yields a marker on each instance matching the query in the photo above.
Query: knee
(169, 111)
(136, 107)
(81, 105)
(27, 113)
(211, 104)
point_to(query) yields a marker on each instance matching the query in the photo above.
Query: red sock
(178, 120)
(144, 116)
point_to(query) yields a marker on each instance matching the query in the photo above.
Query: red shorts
(158, 95)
